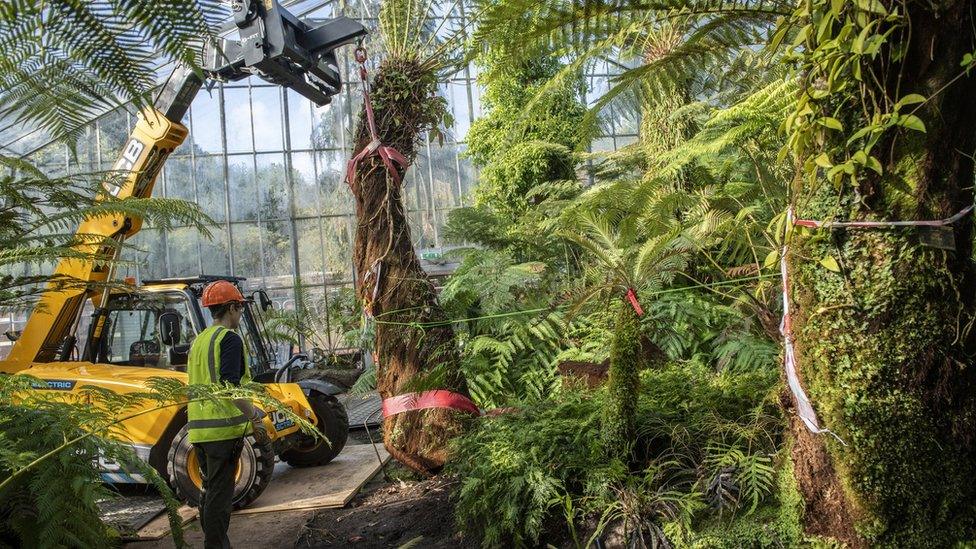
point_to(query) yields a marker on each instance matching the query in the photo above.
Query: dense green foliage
(838, 110)
(529, 174)
(65, 62)
(528, 158)
(687, 218)
(709, 440)
(56, 506)
(508, 88)
(508, 356)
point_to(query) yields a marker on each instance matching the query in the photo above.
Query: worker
(218, 427)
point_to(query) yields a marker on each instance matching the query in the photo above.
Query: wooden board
(293, 489)
(328, 486)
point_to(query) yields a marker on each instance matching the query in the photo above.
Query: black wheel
(332, 422)
(254, 470)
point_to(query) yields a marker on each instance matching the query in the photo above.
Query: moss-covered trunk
(388, 269)
(884, 346)
(619, 428)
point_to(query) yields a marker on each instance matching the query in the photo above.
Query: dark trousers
(219, 463)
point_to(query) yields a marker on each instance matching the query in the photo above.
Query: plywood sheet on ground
(293, 489)
(331, 485)
(132, 509)
(363, 410)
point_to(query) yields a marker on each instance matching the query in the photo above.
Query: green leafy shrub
(49, 480)
(507, 356)
(521, 472)
(515, 468)
(56, 506)
(527, 156)
(706, 328)
(506, 183)
(773, 525)
(508, 88)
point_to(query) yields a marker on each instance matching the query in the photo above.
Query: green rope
(422, 325)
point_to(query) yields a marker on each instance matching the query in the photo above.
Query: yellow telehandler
(132, 336)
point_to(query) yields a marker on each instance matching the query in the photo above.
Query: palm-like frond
(65, 61)
(506, 356)
(414, 30)
(39, 217)
(316, 318)
(656, 46)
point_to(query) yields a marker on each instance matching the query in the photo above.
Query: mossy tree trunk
(410, 356)
(884, 346)
(619, 428)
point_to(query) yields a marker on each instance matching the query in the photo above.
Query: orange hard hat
(220, 292)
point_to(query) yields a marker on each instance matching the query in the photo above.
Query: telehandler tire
(253, 470)
(332, 422)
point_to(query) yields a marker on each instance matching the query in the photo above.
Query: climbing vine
(842, 114)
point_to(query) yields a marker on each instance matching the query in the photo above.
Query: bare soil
(384, 514)
(389, 514)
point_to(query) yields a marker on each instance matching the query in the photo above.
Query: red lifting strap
(428, 399)
(392, 158)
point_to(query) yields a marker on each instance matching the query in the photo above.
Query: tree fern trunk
(620, 415)
(884, 346)
(405, 106)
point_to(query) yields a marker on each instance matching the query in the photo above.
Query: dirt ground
(388, 514)
(385, 514)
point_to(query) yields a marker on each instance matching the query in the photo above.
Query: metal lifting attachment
(272, 44)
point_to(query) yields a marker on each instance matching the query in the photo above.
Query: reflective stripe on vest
(213, 420)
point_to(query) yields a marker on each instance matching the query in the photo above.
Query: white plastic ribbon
(804, 408)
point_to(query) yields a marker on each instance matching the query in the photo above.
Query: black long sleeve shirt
(232, 358)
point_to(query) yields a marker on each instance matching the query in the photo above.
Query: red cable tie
(632, 298)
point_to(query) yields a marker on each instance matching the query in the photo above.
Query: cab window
(131, 332)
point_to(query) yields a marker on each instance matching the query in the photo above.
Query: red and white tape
(814, 224)
(804, 407)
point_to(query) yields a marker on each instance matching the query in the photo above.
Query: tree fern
(628, 35)
(65, 61)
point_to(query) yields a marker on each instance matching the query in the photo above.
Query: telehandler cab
(135, 335)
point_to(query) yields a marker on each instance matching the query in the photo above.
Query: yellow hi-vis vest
(210, 420)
